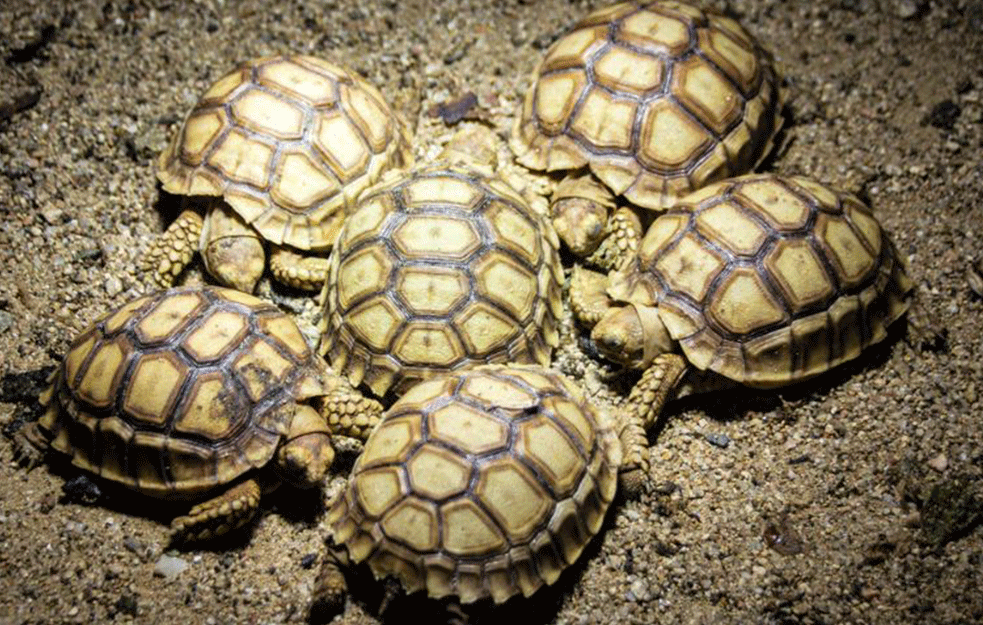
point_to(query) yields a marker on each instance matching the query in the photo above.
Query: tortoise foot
(230, 510)
(307, 273)
(330, 587)
(30, 444)
(172, 251)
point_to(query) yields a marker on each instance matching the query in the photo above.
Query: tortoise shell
(767, 279)
(481, 483)
(288, 142)
(181, 391)
(658, 98)
(438, 269)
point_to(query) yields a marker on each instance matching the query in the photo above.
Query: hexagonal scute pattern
(438, 269)
(658, 98)
(485, 483)
(288, 142)
(182, 389)
(769, 280)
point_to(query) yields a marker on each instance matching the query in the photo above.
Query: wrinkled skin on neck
(632, 335)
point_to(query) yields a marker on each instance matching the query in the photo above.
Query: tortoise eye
(611, 342)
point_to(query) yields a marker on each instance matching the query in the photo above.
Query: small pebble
(944, 115)
(939, 463)
(113, 286)
(127, 604)
(133, 545)
(6, 320)
(639, 591)
(906, 9)
(169, 567)
(718, 440)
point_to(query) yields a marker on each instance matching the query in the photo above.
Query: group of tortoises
(489, 472)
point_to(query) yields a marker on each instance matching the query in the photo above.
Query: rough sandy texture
(866, 480)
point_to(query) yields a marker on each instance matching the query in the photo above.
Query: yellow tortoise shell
(181, 391)
(483, 483)
(658, 98)
(289, 142)
(768, 280)
(438, 269)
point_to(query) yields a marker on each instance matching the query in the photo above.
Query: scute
(510, 492)
(149, 394)
(413, 522)
(469, 429)
(154, 386)
(216, 337)
(703, 93)
(212, 408)
(797, 285)
(105, 369)
(437, 269)
(287, 141)
(495, 524)
(437, 473)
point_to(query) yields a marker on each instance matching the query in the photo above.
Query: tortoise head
(632, 335)
(306, 454)
(231, 249)
(580, 206)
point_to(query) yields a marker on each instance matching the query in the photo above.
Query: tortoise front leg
(622, 235)
(33, 440)
(173, 250)
(30, 444)
(308, 273)
(644, 404)
(589, 300)
(348, 412)
(330, 586)
(233, 508)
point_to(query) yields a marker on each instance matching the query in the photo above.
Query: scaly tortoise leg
(308, 273)
(349, 413)
(589, 300)
(33, 440)
(173, 250)
(233, 508)
(622, 235)
(644, 404)
(330, 585)
(30, 444)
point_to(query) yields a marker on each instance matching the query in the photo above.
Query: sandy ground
(853, 500)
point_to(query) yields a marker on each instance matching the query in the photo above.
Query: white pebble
(169, 567)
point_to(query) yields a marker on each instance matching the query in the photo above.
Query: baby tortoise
(436, 269)
(476, 484)
(761, 280)
(275, 151)
(646, 100)
(195, 394)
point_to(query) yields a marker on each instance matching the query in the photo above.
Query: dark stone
(943, 115)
